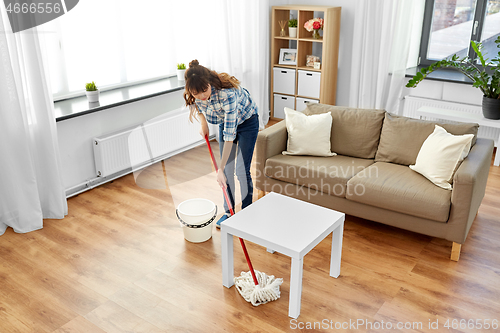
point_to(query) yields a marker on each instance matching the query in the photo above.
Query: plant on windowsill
(292, 27)
(181, 70)
(92, 92)
(487, 78)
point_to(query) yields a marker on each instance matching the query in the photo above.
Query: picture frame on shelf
(311, 59)
(288, 57)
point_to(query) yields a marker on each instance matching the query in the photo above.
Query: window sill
(445, 75)
(79, 106)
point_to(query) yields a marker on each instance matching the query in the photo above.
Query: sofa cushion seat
(325, 174)
(398, 188)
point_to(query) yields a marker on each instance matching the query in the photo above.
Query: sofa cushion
(326, 174)
(397, 188)
(308, 135)
(402, 137)
(440, 156)
(355, 132)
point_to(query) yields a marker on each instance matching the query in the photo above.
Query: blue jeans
(240, 159)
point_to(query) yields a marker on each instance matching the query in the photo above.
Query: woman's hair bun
(194, 63)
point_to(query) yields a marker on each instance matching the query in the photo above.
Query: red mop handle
(232, 213)
(217, 170)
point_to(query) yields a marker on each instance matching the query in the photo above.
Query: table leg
(336, 251)
(227, 258)
(295, 288)
(496, 162)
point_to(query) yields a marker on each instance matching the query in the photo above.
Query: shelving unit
(327, 48)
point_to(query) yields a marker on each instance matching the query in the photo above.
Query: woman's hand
(221, 178)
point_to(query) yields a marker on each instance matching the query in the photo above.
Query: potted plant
(486, 78)
(92, 92)
(292, 27)
(181, 70)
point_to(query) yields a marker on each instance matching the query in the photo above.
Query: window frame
(478, 20)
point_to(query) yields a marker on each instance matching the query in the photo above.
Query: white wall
(75, 135)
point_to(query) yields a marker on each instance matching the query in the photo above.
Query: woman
(217, 98)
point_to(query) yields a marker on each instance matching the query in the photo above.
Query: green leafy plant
(91, 86)
(292, 23)
(181, 66)
(486, 78)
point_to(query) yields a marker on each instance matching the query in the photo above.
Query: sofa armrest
(270, 141)
(469, 186)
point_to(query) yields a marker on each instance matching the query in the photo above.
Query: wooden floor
(119, 263)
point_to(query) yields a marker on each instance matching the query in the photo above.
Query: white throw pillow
(440, 154)
(308, 135)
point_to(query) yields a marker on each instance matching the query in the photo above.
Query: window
(450, 25)
(121, 42)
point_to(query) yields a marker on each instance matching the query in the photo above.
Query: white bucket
(196, 217)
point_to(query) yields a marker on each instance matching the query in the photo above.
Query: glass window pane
(451, 28)
(491, 29)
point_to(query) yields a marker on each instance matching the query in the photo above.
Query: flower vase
(316, 34)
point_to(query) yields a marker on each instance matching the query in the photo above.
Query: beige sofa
(370, 177)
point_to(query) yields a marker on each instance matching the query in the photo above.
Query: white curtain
(31, 187)
(243, 48)
(384, 35)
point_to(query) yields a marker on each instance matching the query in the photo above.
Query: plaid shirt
(229, 106)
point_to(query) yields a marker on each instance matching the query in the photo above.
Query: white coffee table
(286, 225)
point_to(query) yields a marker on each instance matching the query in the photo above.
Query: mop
(254, 286)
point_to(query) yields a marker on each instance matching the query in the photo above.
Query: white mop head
(268, 289)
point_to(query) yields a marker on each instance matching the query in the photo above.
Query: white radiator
(412, 104)
(144, 144)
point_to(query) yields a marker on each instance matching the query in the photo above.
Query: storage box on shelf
(309, 84)
(301, 103)
(299, 84)
(281, 102)
(284, 81)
